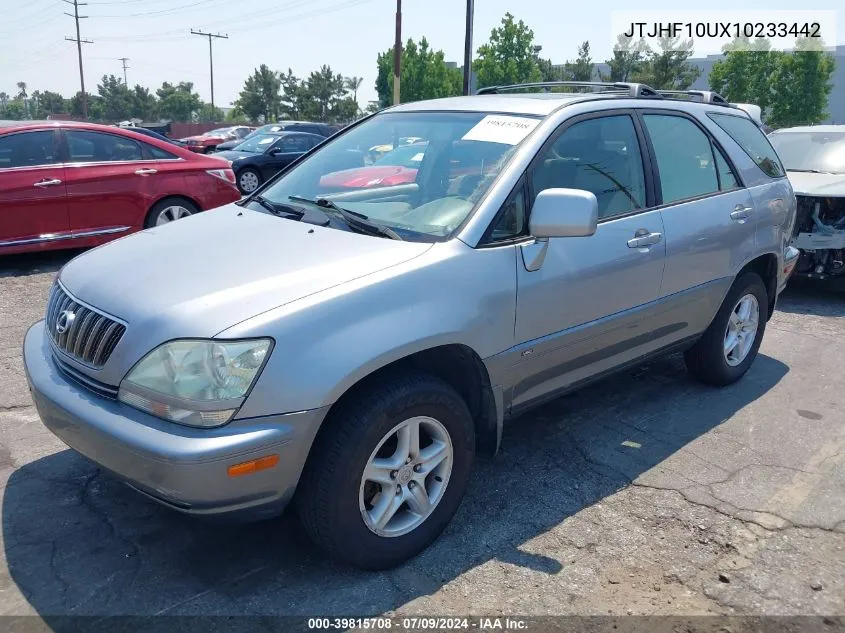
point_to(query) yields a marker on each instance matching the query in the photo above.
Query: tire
(172, 208)
(708, 359)
(253, 177)
(334, 496)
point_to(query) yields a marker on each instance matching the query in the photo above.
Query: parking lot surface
(646, 493)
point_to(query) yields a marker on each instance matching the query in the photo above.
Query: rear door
(707, 214)
(33, 204)
(109, 182)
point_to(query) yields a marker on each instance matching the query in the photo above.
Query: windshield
(811, 151)
(257, 144)
(463, 154)
(223, 131)
(408, 156)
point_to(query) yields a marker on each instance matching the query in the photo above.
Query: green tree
(207, 113)
(548, 70)
(144, 103)
(117, 99)
(425, 74)
(15, 110)
(53, 103)
(322, 90)
(802, 83)
(353, 84)
(628, 58)
(582, 68)
(260, 99)
(293, 94)
(95, 106)
(668, 68)
(508, 57)
(178, 102)
(746, 73)
(4, 100)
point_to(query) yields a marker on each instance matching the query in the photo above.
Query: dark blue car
(263, 155)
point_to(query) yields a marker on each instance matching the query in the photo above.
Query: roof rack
(627, 89)
(705, 96)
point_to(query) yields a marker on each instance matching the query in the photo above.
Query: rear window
(753, 142)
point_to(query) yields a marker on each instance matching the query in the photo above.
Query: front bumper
(182, 467)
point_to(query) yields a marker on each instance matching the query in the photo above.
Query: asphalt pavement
(645, 494)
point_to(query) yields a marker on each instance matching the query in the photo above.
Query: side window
(684, 157)
(600, 155)
(98, 147)
(159, 154)
(27, 149)
(727, 178)
(295, 144)
(752, 141)
(512, 220)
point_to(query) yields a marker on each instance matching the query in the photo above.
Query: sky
(297, 34)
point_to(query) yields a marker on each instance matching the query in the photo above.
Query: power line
(79, 41)
(210, 37)
(124, 60)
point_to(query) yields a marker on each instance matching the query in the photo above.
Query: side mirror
(564, 213)
(276, 151)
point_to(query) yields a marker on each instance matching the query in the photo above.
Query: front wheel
(729, 346)
(388, 472)
(248, 180)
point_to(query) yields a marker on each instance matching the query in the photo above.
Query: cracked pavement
(646, 493)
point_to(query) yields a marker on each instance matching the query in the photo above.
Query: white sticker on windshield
(264, 141)
(509, 130)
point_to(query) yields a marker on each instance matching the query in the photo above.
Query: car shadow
(813, 296)
(78, 542)
(24, 264)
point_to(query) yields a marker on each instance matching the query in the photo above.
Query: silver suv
(352, 335)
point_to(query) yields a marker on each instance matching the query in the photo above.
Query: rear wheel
(729, 346)
(169, 210)
(248, 180)
(388, 473)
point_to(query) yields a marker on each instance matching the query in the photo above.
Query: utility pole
(124, 60)
(468, 48)
(79, 42)
(211, 59)
(397, 53)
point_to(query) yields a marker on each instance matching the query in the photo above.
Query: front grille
(88, 336)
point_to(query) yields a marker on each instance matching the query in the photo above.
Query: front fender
(327, 342)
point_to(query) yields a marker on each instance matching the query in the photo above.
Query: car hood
(809, 184)
(233, 156)
(203, 274)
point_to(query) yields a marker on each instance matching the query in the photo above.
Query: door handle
(146, 172)
(644, 241)
(47, 182)
(741, 212)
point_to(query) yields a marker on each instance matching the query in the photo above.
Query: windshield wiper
(277, 209)
(352, 218)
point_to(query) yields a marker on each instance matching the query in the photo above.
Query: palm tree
(4, 100)
(352, 84)
(22, 89)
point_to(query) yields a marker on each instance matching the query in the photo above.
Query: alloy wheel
(741, 330)
(406, 476)
(248, 182)
(171, 214)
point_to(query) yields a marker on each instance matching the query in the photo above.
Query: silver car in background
(353, 349)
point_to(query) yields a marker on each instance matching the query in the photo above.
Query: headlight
(195, 382)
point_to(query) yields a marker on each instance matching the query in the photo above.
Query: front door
(581, 303)
(33, 204)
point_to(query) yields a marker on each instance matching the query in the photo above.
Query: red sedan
(72, 185)
(208, 142)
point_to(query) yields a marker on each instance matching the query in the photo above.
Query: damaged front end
(820, 235)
